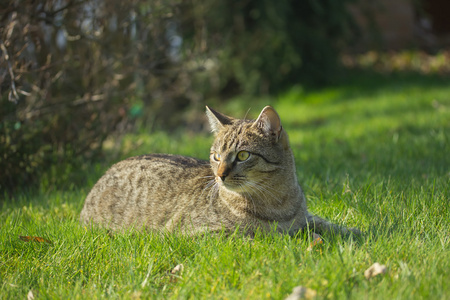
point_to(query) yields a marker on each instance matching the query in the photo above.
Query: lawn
(372, 153)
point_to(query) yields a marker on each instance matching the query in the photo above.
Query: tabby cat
(249, 182)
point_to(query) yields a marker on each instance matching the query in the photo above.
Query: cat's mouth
(233, 184)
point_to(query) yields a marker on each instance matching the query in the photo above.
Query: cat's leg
(321, 226)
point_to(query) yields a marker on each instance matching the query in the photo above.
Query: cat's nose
(223, 171)
(223, 175)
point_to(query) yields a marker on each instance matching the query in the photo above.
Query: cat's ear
(217, 120)
(269, 121)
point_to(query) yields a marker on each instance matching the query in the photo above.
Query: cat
(249, 183)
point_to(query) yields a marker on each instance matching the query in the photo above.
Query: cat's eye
(216, 157)
(243, 155)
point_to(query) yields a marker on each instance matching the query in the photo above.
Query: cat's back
(146, 190)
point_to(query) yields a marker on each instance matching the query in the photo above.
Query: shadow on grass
(418, 153)
(359, 81)
(393, 125)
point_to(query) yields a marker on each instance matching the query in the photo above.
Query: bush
(73, 72)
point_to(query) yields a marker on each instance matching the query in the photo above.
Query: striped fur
(250, 182)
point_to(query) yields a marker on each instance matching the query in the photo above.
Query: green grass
(373, 153)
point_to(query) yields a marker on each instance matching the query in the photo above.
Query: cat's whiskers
(244, 189)
(250, 189)
(271, 190)
(207, 176)
(211, 185)
(256, 190)
(213, 191)
(265, 191)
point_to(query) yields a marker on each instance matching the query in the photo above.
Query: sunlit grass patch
(372, 157)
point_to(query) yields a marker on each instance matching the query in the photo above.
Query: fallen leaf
(178, 268)
(176, 272)
(317, 240)
(30, 295)
(34, 239)
(301, 292)
(374, 270)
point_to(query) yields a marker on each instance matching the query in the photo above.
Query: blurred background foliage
(75, 72)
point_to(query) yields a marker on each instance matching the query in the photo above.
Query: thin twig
(13, 95)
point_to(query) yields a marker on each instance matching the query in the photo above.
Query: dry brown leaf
(34, 239)
(30, 295)
(317, 240)
(178, 268)
(176, 272)
(301, 292)
(374, 270)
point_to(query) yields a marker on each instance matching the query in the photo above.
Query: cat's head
(247, 154)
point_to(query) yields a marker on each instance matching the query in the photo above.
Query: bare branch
(13, 96)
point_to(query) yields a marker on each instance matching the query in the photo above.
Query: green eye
(216, 157)
(243, 155)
